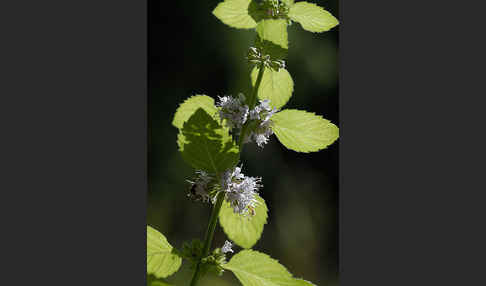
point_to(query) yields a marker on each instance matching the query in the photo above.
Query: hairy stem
(209, 236)
(251, 104)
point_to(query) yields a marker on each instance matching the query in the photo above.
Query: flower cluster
(200, 187)
(240, 191)
(233, 110)
(262, 114)
(256, 56)
(237, 113)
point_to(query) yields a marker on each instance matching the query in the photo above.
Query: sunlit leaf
(206, 145)
(274, 30)
(243, 230)
(302, 282)
(190, 105)
(277, 86)
(289, 3)
(312, 17)
(303, 131)
(253, 268)
(234, 13)
(161, 261)
(153, 281)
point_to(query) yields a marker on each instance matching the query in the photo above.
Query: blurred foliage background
(191, 52)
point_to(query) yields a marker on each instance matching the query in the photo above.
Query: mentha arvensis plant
(213, 132)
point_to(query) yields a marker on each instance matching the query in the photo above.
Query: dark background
(191, 52)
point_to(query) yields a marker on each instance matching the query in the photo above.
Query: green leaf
(274, 30)
(188, 107)
(275, 86)
(153, 281)
(206, 145)
(234, 13)
(303, 131)
(244, 231)
(289, 3)
(276, 52)
(161, 261)
(302, 282)
(159, 283)
(312, 17)
(254, 268)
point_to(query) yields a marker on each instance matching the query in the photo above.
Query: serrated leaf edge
(259, 236)
(312, 113)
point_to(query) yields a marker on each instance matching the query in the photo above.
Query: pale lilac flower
(262, 112)
(240, 190)
(255, 56)
(227, 247)
(233, 110)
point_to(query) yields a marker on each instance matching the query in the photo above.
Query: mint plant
(213, 132)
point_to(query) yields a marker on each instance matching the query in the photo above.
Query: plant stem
(209, 236)
(220, 198)
(251, 105)
(254, 95)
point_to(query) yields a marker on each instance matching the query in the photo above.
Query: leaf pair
(241, 14)
(251, 267)
(297, 130)
(206, 145)
(248, 14)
